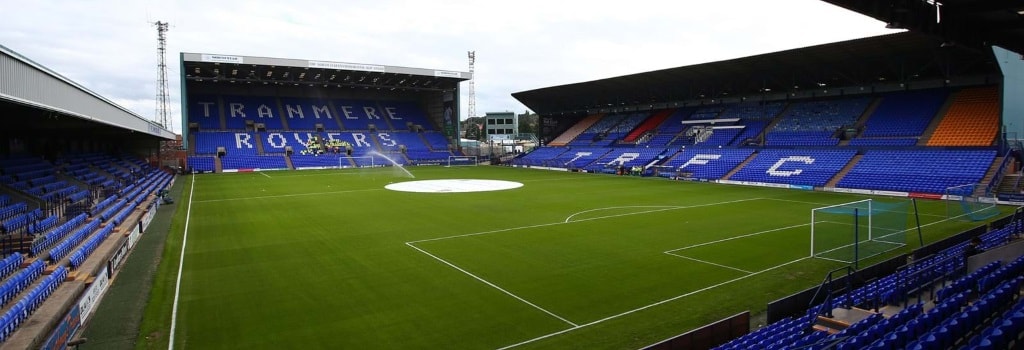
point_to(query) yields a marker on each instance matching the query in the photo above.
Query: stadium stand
(972, 119)
(204, 110)
(795, 167)
(977, 309)
(625, 157)
(304, 114)
(901, 118)
(704, 163)
(574, 132)
(814, 123)
(240, 110)
(924, 171)
(648, 125)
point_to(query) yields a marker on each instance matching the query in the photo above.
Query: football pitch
(333, 259)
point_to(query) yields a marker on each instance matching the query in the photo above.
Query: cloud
(110, 46)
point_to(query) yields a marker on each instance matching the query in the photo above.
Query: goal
(854, 231)
(462, 161)
(356, 162)
(961, 203)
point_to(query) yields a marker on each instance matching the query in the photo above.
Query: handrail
(827, 284)
(924, 267)
(998, 177)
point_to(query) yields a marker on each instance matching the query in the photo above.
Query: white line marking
(662, 207)
(647, 306)
(181, 264)
(492, 285)
(816, 203)
(288, 195)
(265, 174)
(708, 262)
(736, 237)
(568, 222)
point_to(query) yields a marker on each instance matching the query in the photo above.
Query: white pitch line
(569, 222)
(816, 203)
(288, 195)
(181, 264)
(492, 285)
(736, 237)
(664, 208)
(265, 174)
(661, 207)
(647, 306)
(708, 262)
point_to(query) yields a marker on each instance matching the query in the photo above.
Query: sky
(110, 47)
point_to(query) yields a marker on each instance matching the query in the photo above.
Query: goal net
(961, 203)
(357, 162)
(462, 161)
(854, 231)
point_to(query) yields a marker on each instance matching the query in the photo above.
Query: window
(501, 121)
(490, 121)
(508, 121)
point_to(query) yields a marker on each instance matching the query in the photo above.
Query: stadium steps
(842, 172)
(740, 166)
(337, 122)
(288, 162)
(989, 175)
(384, 118)
(576, 130)
(278, 106)
(218, 167)
(927, 134)
(841, 319)
(870, 111)
(650, 124)
(1008, 184)
(191, 143)
(220, 115)
(862, 120)
(259, 143)
(775, 120)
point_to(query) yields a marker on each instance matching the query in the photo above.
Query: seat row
(63, 248)
(56, 235)
(14, 317)
(17, 283)
(83, 252)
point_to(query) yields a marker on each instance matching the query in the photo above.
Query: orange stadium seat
(972, 119)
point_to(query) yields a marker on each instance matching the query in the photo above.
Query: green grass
(331, 259)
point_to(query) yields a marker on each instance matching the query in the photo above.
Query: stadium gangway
(914, 277)
(827, 287)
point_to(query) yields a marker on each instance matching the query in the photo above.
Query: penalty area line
(708, 262)
(478, 278)
(549, 335)
(736, 237)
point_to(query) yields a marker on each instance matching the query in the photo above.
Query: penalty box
(593, 267)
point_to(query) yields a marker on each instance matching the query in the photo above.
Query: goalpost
(854, 231)
(962, 203)
(462, 161)
(359, 161)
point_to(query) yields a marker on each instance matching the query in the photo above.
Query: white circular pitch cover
(453, 186)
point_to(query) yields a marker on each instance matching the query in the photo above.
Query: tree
(528, 123)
